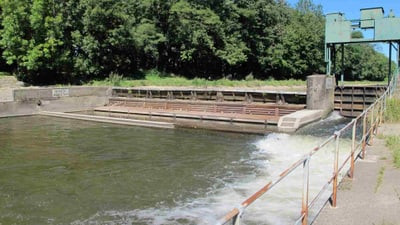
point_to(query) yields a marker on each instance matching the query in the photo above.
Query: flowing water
(60, 171)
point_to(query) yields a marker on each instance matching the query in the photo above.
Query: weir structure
(361, 131)
(228, 109)
(212, 108)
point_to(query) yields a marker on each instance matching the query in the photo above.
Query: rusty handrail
(371, 118)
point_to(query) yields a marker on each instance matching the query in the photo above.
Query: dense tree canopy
(55, 41)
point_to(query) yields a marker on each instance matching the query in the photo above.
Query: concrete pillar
(320, 93)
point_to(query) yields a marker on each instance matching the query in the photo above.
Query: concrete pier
(290, 123)
(30, 101)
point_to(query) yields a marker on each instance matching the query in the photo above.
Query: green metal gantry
(338, 31)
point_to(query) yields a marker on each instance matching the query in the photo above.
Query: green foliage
(363, 62)
(65, 41)
(303, 41)
(392, 113)
(2, 73)
(393, 143)
(114, 79)
(156, 78)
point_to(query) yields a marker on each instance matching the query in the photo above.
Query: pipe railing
(369, 121)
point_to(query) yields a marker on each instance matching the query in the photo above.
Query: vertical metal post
(342, 75)
(334, 72)
(398, 64)
(328, 59)
(306, 182)
(390, 62)
(372, 127)
(236, 220)
(364, 135)
(353, 148)
(336, 169)
(381, 110)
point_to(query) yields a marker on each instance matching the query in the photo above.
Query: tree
(33, 38)
(362, 61)
(66, 41)
(301, 50)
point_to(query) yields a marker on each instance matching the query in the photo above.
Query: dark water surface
(60, 171)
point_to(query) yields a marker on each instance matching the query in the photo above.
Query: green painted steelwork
(338, 31)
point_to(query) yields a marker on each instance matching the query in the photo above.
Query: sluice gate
(351, 101)
(233, 110)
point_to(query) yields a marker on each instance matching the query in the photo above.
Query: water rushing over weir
(59, 171)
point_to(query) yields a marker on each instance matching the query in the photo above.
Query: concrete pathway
(373, 196)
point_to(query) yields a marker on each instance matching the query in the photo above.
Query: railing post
(380, 114)
(353, 148)
(306, 182)
(364, 135)
(384, 106)
(336, 170)
(236, 220)
(372, 127)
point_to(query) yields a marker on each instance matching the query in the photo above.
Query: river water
(60, 171)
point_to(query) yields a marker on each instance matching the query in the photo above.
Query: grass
(155, 78)
(393, 143)
(379, 181)
(392, 110)
(364, 82)
(4, 74)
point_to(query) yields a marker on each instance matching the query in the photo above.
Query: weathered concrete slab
(320, 93)
(113, 120)
(292, 122)
(29, 101)
(6, 95)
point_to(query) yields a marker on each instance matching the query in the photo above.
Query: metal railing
(361, 130)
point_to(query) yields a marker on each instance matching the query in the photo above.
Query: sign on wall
(64, 92)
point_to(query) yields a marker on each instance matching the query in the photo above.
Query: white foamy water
(272, 154)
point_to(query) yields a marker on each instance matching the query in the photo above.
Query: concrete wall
(29, 101)
(320, 93)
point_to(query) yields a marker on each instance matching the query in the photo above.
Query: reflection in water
(59, 171)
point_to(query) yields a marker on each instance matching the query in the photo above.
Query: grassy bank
(393, 143)
(154, 78)
(393, 115)
(392, 110)
(4, 74)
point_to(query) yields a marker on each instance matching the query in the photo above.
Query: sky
(351, 9)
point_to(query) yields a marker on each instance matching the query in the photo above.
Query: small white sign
(60, 92)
